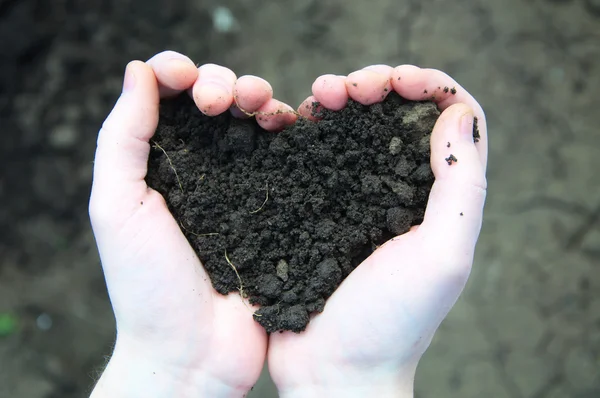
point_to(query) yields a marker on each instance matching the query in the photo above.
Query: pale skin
(177, 337)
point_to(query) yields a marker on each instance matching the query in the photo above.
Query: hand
(176, 336)
(380, 321)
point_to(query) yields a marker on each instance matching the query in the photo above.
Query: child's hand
(382, 318)
(176, 336)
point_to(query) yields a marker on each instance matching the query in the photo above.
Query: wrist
(131, 375)
(357, 385)
(358, 391)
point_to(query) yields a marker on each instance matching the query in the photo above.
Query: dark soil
(61, 71)
(476, 134)
(62, 67)
(284, 218)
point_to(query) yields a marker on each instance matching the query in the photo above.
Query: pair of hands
(177, 337)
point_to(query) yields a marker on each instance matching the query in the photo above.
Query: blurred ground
(528, 325)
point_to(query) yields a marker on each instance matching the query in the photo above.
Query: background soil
(528, 324)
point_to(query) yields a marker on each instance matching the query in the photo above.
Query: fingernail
(237, 113)
(181, 63)
(466, 126)
(128, 80)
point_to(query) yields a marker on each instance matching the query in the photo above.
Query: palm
(383, 315)
(180, 308)
(168, 315)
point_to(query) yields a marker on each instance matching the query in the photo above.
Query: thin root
(198, 235)
(241, 288)
(195, 234)
(170, 164)
(252, 114)
(264, 203)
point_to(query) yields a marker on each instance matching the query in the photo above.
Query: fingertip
(419, 84)
(307, 108)
(122, 147)
(166, 55)
(183, 74)
(330, 91)
(136, 112)
(213, 90)
(139, 80)
(385, 70)
(251, 92)
(214, 71)
(368, 87)
(416, 84)
(174, 71)
(275, 115)
(403, 81)
(129, 80)
(458, 194)
(457, 110)
(237, 113)
(453, 152)
(212, 100)
(448, 123)
(135, 64)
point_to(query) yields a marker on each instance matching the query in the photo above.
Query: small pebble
(44, 322)
(223, 20)
(282, 270)
(63, 136)
(395, 145)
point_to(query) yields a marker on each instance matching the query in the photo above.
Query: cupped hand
(176, 337)
(380, 321)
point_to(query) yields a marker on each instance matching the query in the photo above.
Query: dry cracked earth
(528, 324)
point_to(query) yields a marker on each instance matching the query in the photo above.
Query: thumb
(123, 146)
(455, 209)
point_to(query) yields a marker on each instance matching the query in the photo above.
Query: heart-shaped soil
(284, 217)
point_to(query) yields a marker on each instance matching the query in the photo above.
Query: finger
(367, 86)
(213, 90)
(175, 72)
(418, 84)
(249, 94)
(454, 212)
(307, 108)
(330, 91)
(385, 70)
(121, 159)
(275, 115)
